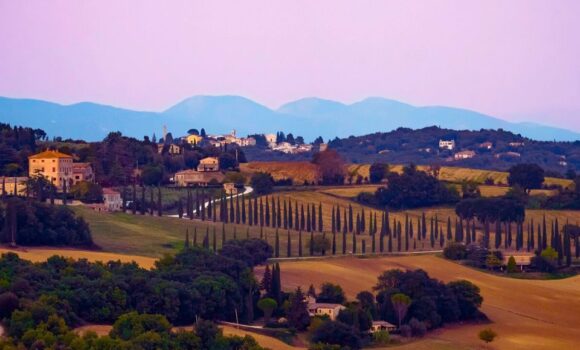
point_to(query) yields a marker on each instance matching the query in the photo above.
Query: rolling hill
(309, 117)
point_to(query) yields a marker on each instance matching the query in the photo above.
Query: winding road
(247, 190)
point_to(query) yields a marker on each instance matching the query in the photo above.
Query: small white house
(112, 200)
(464, 155)
(378, 326)
(447, 144)
(323, 309)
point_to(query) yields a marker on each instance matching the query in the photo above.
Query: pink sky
(518, 60)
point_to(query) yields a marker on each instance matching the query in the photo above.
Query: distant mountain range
(308, 117)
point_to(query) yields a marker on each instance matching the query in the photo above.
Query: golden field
(301, 171)
(526, 314)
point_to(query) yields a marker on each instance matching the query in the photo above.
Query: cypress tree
(473, 232)
(399, 237)
(382, 234)
(354, 236)
(364, 246)
(151, 201)
(197, 202)
(243, 209)
(423, 225)
(324, 238)
(300, 243)
(302, 223)
(274, 219)
(350, 218)
(214, 243)
(311, 244)
(441, 240)
(332, 221)
(247, 233)
(288, 245)
(180, 208)
(407, 232)
(285, 215)
(238, 212)
(320, 218)
(255, 211)
(297, 225)
(267, 217)
(250, 212)
(498, 234)
(290, 216)
(577, 245)
(308, 222)
(134, 198)
(373, 243)
(261, 213)
(486, 234)
(432, 235)
(390, 245)
(279, 214)
(544, 233)
(338, 224)
(449, 233)
(411, 233)
(344, 226)
(363, 225)
(532, 235)
(195, 236)
(508, 231)
(344, 242)
(334, 243)
(202, 205)
(277, 245)
(232, 212)
(206, 239)
(186, 243)
(214, 211)
(468, 234)
(159, 203)
(210, 207)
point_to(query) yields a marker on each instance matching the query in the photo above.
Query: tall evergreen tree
(290, 216)
(441, 240)
(302, 222)
(350, 219)
(300, 243)
(423, 225)
(449, 233)
(311, 243)
(308, 222)
(334, 243)
(288, 245)
(261, 213)
(399, 237)
(497, 234)
(180, 208)
(277, 245)
(333, 221)
(286, 215)
(343, 242)
(338, 223)
(186, 243)
(320, 218)
(151, 201)
(238, 212)
(243, 209)
(278, 214)
(159, 202)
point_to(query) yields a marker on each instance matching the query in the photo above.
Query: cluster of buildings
(287, 147)
(331, 310)
(173, 146)
(63, 172)
(450, 145)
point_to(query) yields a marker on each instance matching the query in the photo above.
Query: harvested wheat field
(526, 314)
(39, 254)
(263, 340)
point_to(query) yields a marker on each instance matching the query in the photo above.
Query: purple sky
(518, 60)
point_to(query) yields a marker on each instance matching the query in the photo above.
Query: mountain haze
(309, 117)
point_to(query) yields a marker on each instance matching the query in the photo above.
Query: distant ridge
(309, 117)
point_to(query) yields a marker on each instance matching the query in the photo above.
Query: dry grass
(527, 314)
(39, 254)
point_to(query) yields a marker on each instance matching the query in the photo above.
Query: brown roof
(110, 191)
(81, 165)
(49, 154)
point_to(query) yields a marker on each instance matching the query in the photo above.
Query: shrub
(512, 267)
(455, 251)
(381, 338)
(406, 331)
(487, 335)
(262, 183)
(418, 328)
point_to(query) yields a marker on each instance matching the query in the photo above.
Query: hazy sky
(518, 60)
